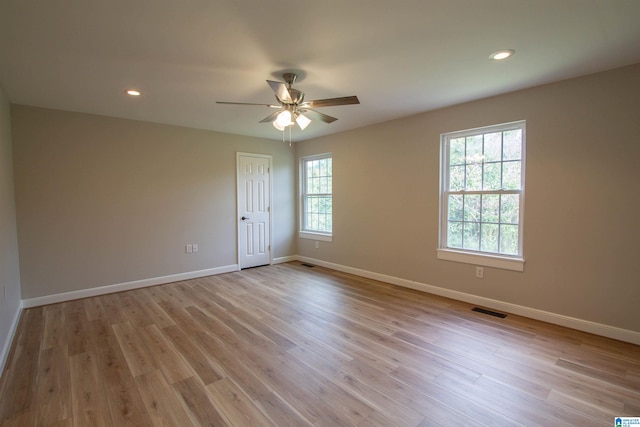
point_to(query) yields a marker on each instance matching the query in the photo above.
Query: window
(316, 204)
(482, 196)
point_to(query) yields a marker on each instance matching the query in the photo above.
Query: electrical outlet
(195, 247)
(479, 272)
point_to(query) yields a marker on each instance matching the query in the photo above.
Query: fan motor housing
(289, 78)
(296, 96)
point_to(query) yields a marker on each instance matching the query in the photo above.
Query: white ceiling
(400, 57)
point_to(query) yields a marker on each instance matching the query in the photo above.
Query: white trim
(127, 286)
(487, 260)
(238, 207)
(483, 129)
(315, 236)
(282, 260)
(303, 233)
(532, 313)
(445, 139)
(6, 345)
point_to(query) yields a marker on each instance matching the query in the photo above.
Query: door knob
(244, 218)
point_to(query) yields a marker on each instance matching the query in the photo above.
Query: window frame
(304, 232)
(484, 258)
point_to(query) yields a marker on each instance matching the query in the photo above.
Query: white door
(254, 210)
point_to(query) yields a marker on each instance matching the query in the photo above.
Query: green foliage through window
(483, 189)
(317, 194)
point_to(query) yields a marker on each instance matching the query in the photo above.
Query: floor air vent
(307, 265)
(489, 312)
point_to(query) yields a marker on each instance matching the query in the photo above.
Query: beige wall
(103, 201)
(582, 208)
(10, 302)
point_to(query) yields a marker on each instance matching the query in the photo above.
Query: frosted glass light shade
(284, 119)
(302, 121)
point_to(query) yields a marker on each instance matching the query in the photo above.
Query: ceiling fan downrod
(289, 78)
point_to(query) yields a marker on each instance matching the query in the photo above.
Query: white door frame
(269, 157)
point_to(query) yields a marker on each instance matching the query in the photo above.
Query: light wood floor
(288, 345)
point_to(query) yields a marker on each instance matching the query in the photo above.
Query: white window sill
(315, 236)
(505, 263)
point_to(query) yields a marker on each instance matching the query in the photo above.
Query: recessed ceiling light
(132, 92)
(502, 54)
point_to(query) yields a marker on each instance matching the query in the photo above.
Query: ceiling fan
(293, 109)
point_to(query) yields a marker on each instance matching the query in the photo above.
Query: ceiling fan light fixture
(502, 54)
(302, 121)
(292, 106)
(284, 118)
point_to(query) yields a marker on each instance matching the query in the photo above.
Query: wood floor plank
(260, 367)
(179, 315)
(94, 308)
(197, 359)
(289, 345)
(595, 413)
(174, 367)
(139, 357)
(373, 394)
(442, 358)
(236, 405)
(263, 329)
(54, 389)
(78, 338)
(125, 404)
(342, 402)
(139, 314)
(377, 419)
(19, 381)
(198, 403)
(472, 409)
(583, 387)
(163, 406)
(176, 293)
(157, 315)
(54, 326)
(280, 412)
(22, 419)
(510, 403)
(232, 365)
(89, 404)
(400, 392)
(112, 308)
(348, 344)
(303, 339)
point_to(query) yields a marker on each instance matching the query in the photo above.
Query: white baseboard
(545, 316)
(284, 259)
(109, 289)
(532, 313)
(6, 345)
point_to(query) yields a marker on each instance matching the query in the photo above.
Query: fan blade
(345, 100)
(282, 93)
(271, 117)
(247, 103)
(318, 116)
